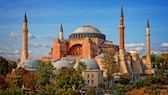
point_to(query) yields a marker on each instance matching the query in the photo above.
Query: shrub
(153, 90)
(139, 84)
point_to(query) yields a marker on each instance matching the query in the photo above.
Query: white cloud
(37, 45)
(2, 51)
(30, 36)
(30, 52)
(156, 52)
(15, 52)
(13, 35)
(135, 45)
(165, 45)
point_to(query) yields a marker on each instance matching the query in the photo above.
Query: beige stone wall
(93, 77)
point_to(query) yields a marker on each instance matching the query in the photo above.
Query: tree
(81, 67)
(48, 89)
(3, 82)
(14, 79)
(15, 82)
(110, 65)
(6, 66)
(11, 65)
(91, 91)
(153, 56)
(159, 60)
(121, 89)
(68, 78)
(63, 91)
(30, 80)
(165, 56)
(124, 79)
(153, 90)
(3, 66)
(139, 84)
(45, 70)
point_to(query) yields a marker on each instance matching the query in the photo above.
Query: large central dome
(87, 31)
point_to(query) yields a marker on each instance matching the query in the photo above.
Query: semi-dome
(62, 63)
(90, 63)
(87, 31)
(28, 64)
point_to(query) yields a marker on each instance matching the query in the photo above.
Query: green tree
(49, 89)
(159, 60)
(110, 65)
(121, 89)
(91, 91)
(124, 79)
(46, 72)
(63, 91)
(153, 56)
(81, 67)
(147, 81)
(139, 84)
(3, 66)
(68, 78)
(11, 65)
(153, 90)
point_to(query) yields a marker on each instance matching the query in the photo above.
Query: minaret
(148, 59)
(121, 28)
(24, 40)
(61, 33)
(122, 62)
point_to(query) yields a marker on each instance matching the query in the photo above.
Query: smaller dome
(28, 64)
(90, 64)
(62, 63)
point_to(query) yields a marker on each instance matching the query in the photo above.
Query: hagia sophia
(87, 44)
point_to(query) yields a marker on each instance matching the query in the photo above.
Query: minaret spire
(121, 11)
(121, 28)
(148, 59)
(122, 63)
(24, 55)
(25, 18)
(147, 25)
(61, 33)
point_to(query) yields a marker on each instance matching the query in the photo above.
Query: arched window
(75, 50)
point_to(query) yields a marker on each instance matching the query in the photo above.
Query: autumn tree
(91, 91)
(14, 79)
(3, 82)
(165, 56)
(15, 83)
(110, 65)
(30, 80)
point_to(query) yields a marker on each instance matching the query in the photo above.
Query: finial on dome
(87, 23)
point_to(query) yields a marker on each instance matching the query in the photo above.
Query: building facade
(86, 41)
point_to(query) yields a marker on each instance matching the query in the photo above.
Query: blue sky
(45, 16)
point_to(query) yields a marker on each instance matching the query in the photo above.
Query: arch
(75, 50)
